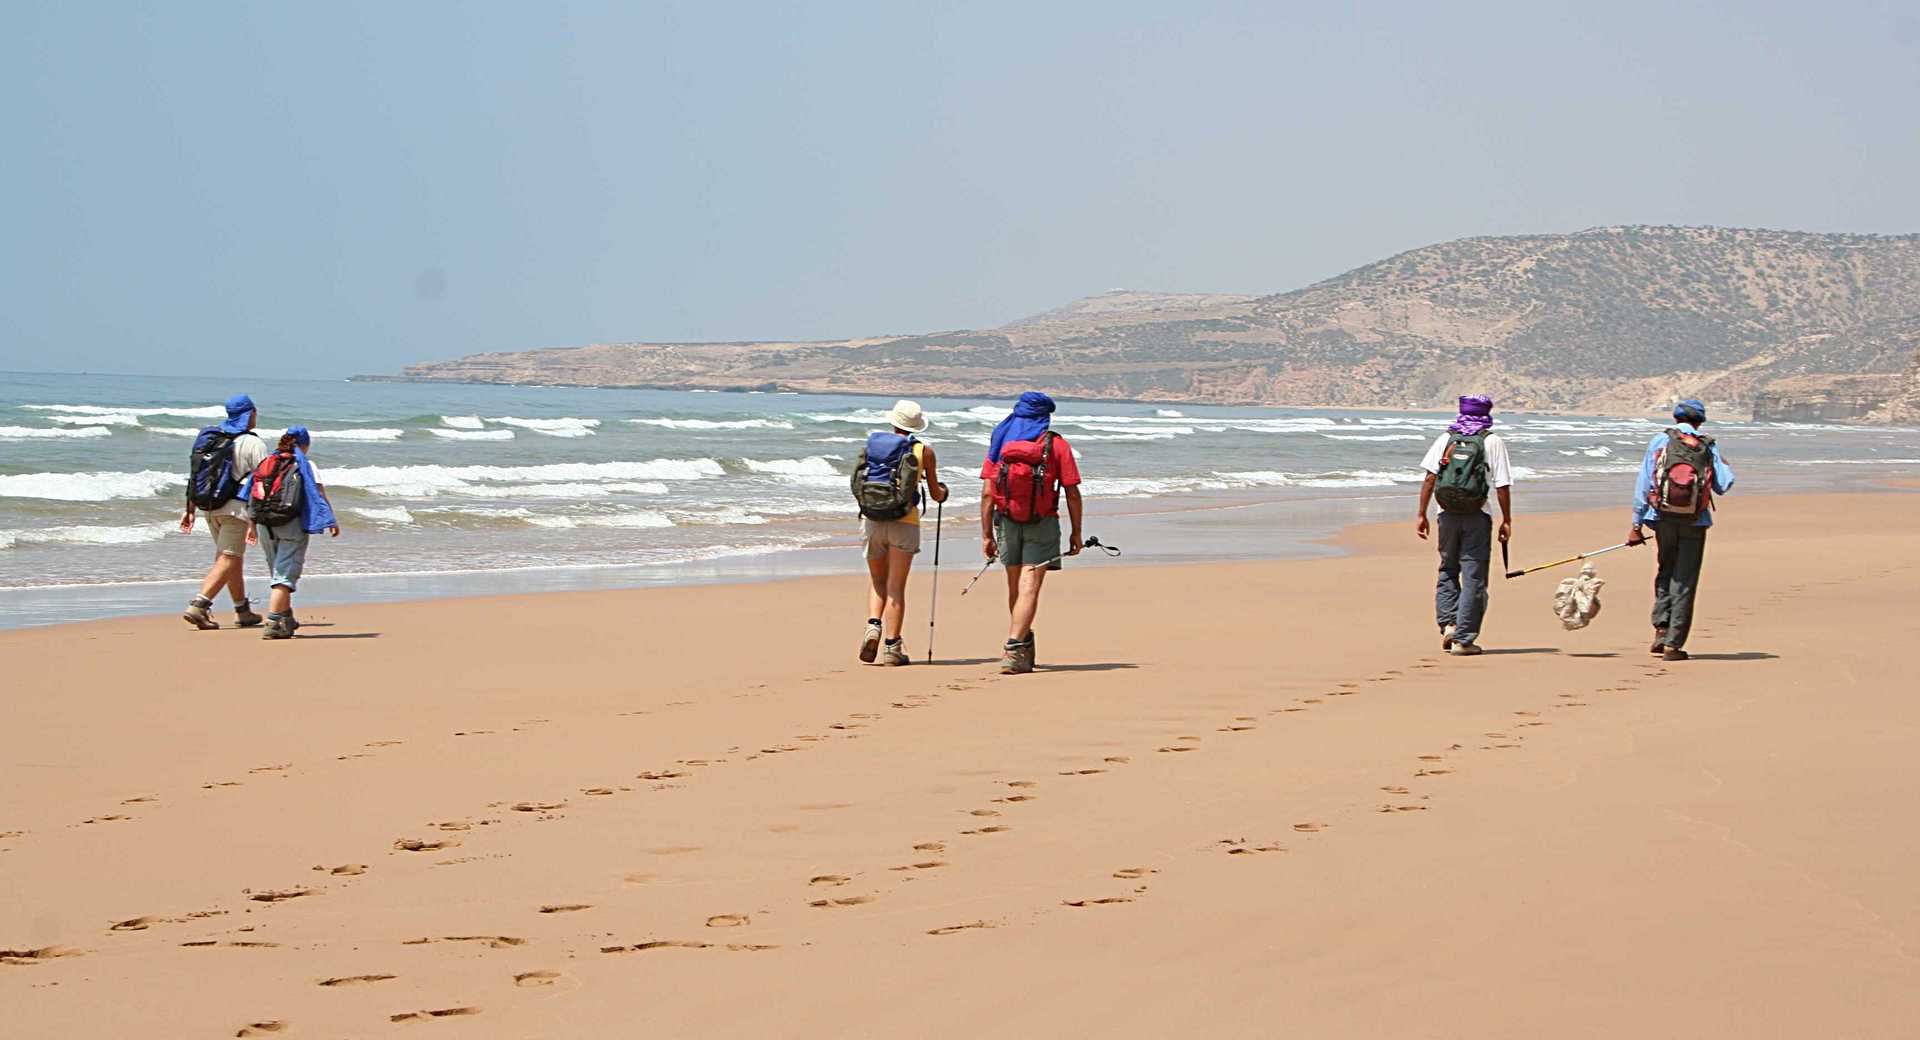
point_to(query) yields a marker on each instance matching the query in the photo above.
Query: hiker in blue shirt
(1679, 476)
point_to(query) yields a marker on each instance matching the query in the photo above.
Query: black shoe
(1674, 654)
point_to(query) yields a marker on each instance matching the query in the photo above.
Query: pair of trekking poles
(933, 611)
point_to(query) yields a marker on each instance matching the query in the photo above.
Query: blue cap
(239, 410)
(300, 435)
(1690, 411)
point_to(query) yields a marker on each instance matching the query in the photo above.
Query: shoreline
(1253, 789)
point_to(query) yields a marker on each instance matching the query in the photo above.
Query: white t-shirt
(1499, 471)
(248, 452)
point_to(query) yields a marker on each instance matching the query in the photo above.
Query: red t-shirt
(1065, 469)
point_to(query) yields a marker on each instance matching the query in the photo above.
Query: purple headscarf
(1476, 415)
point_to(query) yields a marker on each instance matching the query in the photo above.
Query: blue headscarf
(1476, 415)
(1690, 410)
(239, 411)
(1029, 420)
(316, 515)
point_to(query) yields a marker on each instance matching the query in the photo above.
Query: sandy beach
(1244, 800)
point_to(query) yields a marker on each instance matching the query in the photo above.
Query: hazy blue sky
(333, 188)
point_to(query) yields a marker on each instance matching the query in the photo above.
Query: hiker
(222, 456)
(1462, 465)
(287, 500)
(886, 486)
(1027, 465)
(1674, 492)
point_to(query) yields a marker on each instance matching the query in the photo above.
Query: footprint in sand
(135, 801)
(1239, 847)
(1131, 873)
(1309, 828)
(355, 980)
(952, 928)
(1174, 747)
(928, 865)
(538, 807)
(427, 1016)
(829, 879)
(282, 767)
(565, 908)
(1119, 760)
(279, 895)
(1080, 772)
(931, 846)
(36, 955)
(673, 850)
(536, 978)
(1234, 729)
(658, 944)
(1394, 789)
(1401, 808)
(1104, 901)
(381, 743)
(1433, 772)
(660, 774)
(1016, 798)
(417, 845)
(107, 819)
(498, 942)
(261, 1028)
(995, 829)
(596, 790)
(982, 812)
(344, 869)
(1432, 758)
(138, 924)
(728, 920)
(848, 901)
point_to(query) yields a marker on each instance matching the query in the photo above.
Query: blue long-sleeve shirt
(1643, 511)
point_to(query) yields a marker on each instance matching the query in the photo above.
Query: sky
(329, 189)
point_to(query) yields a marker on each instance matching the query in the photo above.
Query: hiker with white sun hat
(886, 484)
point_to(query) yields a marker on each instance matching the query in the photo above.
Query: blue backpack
(211, 481)
(886, 480)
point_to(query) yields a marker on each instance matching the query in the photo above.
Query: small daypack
(1027, 487)
(1683, 475)
(1461, 485)
(279, 495)
(886, 479)
(211, 481)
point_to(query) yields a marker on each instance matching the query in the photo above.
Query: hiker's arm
(935, 490)
(253, 533)
(1073, 514)
(1426, 499)
(1722, 474)
(1506, 512)
(333, 529)
(186, 519)
(1642, 484)
(986, 519)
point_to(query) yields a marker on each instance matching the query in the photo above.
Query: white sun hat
(906, 415)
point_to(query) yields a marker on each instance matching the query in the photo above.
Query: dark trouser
(1466, 551)
(1683, 548)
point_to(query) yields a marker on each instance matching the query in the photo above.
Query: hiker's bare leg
(1013, 587)
(226, 572)
(1027, 603)
(280, 601)
(876, 587)
(899, 564)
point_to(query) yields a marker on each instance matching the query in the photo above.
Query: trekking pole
(933, 603)
(978, 576)
(1577, 557)
(1091, 543)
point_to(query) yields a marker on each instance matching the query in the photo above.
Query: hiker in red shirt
(1027, 465)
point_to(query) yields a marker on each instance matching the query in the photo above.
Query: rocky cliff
(1612, 320)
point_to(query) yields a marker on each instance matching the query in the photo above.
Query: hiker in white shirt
(1463, 465)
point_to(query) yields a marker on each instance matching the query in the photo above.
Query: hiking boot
(1674, 654)
(277, 628)
(293, 623)
(894, 654)
(1659, 643)
(870, 643)
(244, 616)
(1467, 650)
(199, 614)
(1446, 638)
(1017, 659)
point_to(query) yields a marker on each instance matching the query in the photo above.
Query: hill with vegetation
(1618, 320)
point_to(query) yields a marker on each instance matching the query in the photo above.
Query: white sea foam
(85, 534)
(173, 431)
(375, 434)
(812, 466)
(725, 516)
(22, 433)
(472, 435)
(214, 412)
(716, 424)
(89, 487)
(1168, 413)
(1374, 436)
(97, 419)
(1359, 478)
(394, 515)
(421, 481)
(461, 422)
(564, 427)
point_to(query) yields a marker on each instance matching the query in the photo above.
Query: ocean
(456, 489)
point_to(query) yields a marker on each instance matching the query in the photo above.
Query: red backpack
(1027, 488)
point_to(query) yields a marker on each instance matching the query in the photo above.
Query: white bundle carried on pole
(1577, 600)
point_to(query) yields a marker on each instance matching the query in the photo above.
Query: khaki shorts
(229, 534)
(879, 536)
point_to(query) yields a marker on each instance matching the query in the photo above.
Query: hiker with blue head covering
(887, 482)
(1463, 465)
(286, 500)
(222, 456)
(1674, 490)
(1026, 469)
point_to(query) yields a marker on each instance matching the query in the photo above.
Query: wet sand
(1247, 799)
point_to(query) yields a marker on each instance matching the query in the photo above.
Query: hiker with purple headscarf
(1463, 465)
